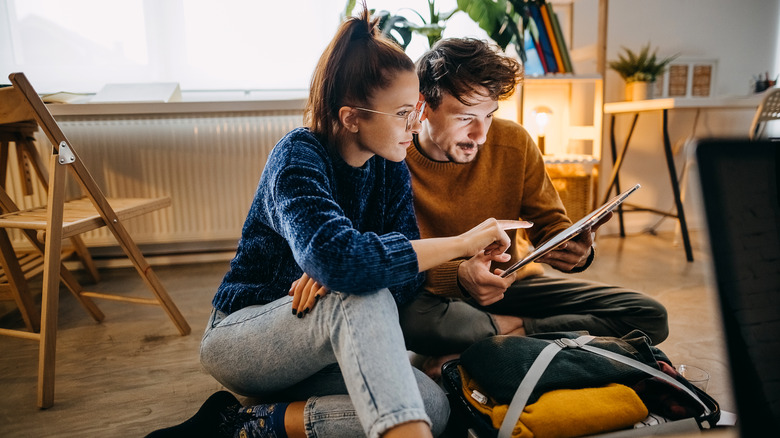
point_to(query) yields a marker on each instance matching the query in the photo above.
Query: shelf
(570, 159)
(576, 101)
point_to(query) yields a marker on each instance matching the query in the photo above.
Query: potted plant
(503, 20)
(639, 70)
(400, 28)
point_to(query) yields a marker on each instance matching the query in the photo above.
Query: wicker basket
(574, 187)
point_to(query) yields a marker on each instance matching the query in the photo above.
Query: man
(467, 166)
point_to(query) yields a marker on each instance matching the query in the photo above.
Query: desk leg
(617, 163)
(676, 187)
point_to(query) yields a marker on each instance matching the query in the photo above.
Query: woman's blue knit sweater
(348, 228)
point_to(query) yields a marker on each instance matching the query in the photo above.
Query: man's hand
(575, 252)
(305, 292)
(485, 287)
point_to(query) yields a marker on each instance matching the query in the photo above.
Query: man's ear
(349, 119)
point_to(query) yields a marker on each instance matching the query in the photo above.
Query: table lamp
(542, 116)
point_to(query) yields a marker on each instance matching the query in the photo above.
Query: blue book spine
(544, 40)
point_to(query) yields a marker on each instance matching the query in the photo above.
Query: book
(537, 45)
(556, 25)
(544, 40)
(65, 97)
(533, 63)
(544, 8)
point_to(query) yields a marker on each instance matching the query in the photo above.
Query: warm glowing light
(542, 116)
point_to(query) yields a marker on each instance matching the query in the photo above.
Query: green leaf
(396, 28)
(642, 66)
(349, 8)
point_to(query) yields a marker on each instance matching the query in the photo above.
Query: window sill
(193, 102)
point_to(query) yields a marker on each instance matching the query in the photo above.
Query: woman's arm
(331, 219)
(489, 236)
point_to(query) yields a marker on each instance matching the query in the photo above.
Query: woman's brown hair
(357, 62)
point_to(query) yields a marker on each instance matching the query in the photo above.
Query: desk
(664, 105)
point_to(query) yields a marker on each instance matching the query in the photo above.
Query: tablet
(564, 236)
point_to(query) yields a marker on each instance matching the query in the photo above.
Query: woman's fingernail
(300, 315)
(294, 311)
(306, 310)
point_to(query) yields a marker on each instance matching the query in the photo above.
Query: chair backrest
(60, 144)
(768, 109)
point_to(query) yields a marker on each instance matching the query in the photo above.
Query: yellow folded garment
(564, 412)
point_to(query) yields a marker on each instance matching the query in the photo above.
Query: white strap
(648, 369)
(525, 389)
(536, 370)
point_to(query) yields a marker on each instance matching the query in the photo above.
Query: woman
(333, 212)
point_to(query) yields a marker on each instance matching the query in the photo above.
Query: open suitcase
(468, 421)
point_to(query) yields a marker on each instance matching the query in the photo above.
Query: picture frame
(687, 78)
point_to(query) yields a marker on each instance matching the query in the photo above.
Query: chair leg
(75, 288)
(86, 258)
(18, 284)
(70, 281)
(145, 271)
(51, 286)
(165, 300)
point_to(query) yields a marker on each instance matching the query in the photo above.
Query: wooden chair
(768, 110)
(45, 228)
(18, 267)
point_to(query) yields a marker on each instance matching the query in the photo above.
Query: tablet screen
(564, 236)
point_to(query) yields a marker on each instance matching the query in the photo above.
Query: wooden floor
(133, 373)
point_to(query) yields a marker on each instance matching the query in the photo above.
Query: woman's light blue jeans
(346, 358)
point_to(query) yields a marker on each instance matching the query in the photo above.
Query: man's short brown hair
(461, 66)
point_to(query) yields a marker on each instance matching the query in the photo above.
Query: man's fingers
(509, 278)
(603, 221)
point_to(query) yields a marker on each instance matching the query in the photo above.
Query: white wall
(742, 35)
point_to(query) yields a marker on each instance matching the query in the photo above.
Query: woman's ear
(349, 119)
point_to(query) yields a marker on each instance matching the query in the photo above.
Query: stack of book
(545, 47)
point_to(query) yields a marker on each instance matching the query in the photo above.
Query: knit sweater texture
(506, 180)
(348, 228)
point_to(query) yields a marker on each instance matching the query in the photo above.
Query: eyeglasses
(411, 118)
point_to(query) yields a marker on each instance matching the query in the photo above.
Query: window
(80, 45)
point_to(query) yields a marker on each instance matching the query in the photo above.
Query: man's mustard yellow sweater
(506, 180)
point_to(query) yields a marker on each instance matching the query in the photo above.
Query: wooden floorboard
(134, 373)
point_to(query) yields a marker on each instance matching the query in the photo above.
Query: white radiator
(209, 164)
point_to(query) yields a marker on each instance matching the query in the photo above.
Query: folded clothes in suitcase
(569, 384)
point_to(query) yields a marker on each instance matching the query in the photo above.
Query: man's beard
(469, 158)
